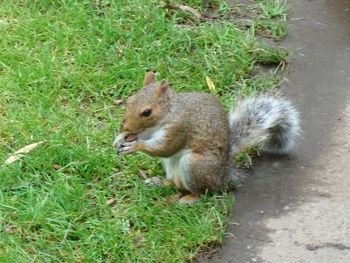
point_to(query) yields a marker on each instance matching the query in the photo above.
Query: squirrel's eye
(146, 113)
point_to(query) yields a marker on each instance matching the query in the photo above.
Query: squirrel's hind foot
(189, 199)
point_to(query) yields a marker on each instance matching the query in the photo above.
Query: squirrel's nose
(123, 126)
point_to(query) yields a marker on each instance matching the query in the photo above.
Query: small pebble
(275, 164)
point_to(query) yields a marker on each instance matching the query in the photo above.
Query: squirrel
(196, 139)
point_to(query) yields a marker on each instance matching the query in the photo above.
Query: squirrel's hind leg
(195, 173)
(202, 172)
(199, 173)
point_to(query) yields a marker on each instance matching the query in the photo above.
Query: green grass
(62, 65)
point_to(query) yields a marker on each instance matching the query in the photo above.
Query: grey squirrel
(194, 136)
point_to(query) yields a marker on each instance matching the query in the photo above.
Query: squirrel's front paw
(126, 148)
(123, 143)
(118, 141)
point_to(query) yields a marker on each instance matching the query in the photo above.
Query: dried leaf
(210, 83)
(187, 9)
(28, 148)
(143, 174)
(12, 159)
(139, 239)
(10, 229)
(19, 154)
(118, 102)
(110, 201)
(184, 26)
(56, 166)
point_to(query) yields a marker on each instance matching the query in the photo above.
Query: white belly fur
(177, 167)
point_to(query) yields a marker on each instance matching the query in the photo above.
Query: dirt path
(298, 210)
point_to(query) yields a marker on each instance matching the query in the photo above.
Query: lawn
(65, 69)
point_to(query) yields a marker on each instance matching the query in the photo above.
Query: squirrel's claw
(126, 148)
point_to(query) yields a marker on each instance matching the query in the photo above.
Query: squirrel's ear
(149, 78)
(162, 89)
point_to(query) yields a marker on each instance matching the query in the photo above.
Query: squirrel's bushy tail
(268, 122)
